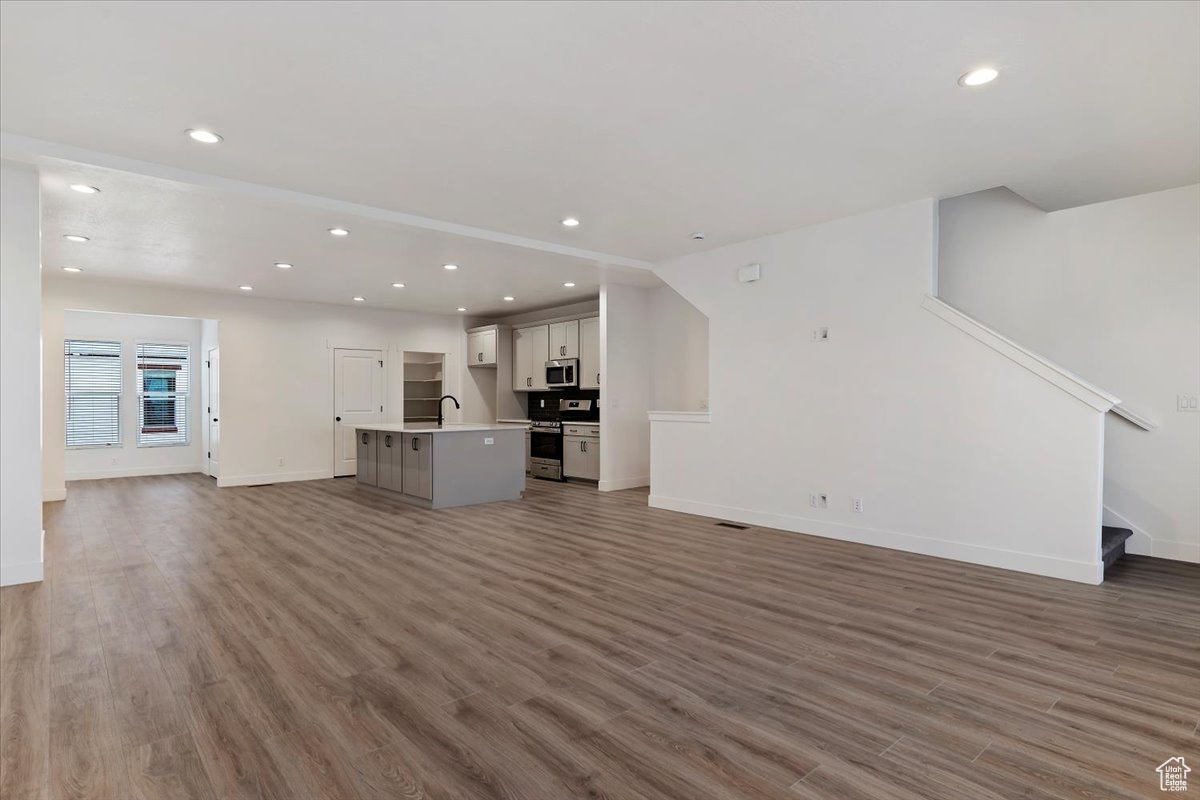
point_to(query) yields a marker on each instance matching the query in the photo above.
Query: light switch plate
(1189, 402)
(820, 334)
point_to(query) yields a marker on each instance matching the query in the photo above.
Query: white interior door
(214, 412)
(357, 399)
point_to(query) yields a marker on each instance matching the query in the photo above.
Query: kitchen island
(441, 467)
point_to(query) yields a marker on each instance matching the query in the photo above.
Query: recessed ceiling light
(72, 269)
(339, 232)
(397, 285)
(283, 265)
(83, 188)
(978, 77)
(570, 222)
(74, 237)
(460, 308)
(360, 299)
(450, 266)
(569, 285)
(508, 298)
(246, 288)
(203, 136)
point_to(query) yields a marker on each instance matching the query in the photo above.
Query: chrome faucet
(441, 418)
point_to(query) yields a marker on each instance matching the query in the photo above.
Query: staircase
(1112, 544)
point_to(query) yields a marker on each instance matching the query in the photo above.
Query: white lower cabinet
(581, 457)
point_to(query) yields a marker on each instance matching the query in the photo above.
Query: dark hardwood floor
(307, 640)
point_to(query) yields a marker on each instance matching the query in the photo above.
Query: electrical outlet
(704, 405)
(1189, 402)
(281, 461)
(114, 460)
(488, 440)
(820, 334)
(818, 500)
(858, 505)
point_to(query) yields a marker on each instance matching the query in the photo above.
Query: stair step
(1112, 543)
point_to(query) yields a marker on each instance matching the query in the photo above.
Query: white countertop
(431, 427)
(513, 421)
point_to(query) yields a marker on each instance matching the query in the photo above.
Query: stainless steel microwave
(562, 373)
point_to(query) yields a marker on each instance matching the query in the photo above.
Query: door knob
(214, 419)
(335, 419)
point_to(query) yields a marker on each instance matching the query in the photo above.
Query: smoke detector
(698, 235)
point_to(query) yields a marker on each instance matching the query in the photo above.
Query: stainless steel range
(545, 449)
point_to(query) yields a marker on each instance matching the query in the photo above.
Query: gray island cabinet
(455, 465)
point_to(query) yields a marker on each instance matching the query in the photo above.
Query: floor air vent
(733, 525)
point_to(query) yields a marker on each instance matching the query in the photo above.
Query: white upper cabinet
(589, 353)
(481, 348)
(531, 348)
(564, 339)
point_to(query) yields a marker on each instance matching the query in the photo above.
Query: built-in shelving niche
(423, 385)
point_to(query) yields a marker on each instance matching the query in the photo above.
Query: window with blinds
(163, 380)
(93, 387)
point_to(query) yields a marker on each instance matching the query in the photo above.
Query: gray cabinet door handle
(583, 447)
(414, 443)
(597, 378)
(364, 438)
(387, 440)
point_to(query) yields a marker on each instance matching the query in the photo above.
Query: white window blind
(93, 387)
(163, 381)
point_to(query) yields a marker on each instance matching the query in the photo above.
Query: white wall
(1112, 292)
(276, 368)
(679, 353)
(625, 386)
(20, 402)
(956, 451)
(129, 459)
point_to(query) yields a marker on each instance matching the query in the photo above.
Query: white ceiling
(646, 120)
(152, 230)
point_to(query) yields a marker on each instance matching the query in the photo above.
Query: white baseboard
(12, 574)
(1079, 571)
(623, 483)
(277, 477)
(53, 494)
(132, 472)
(1143, 544)
(1177, 551)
